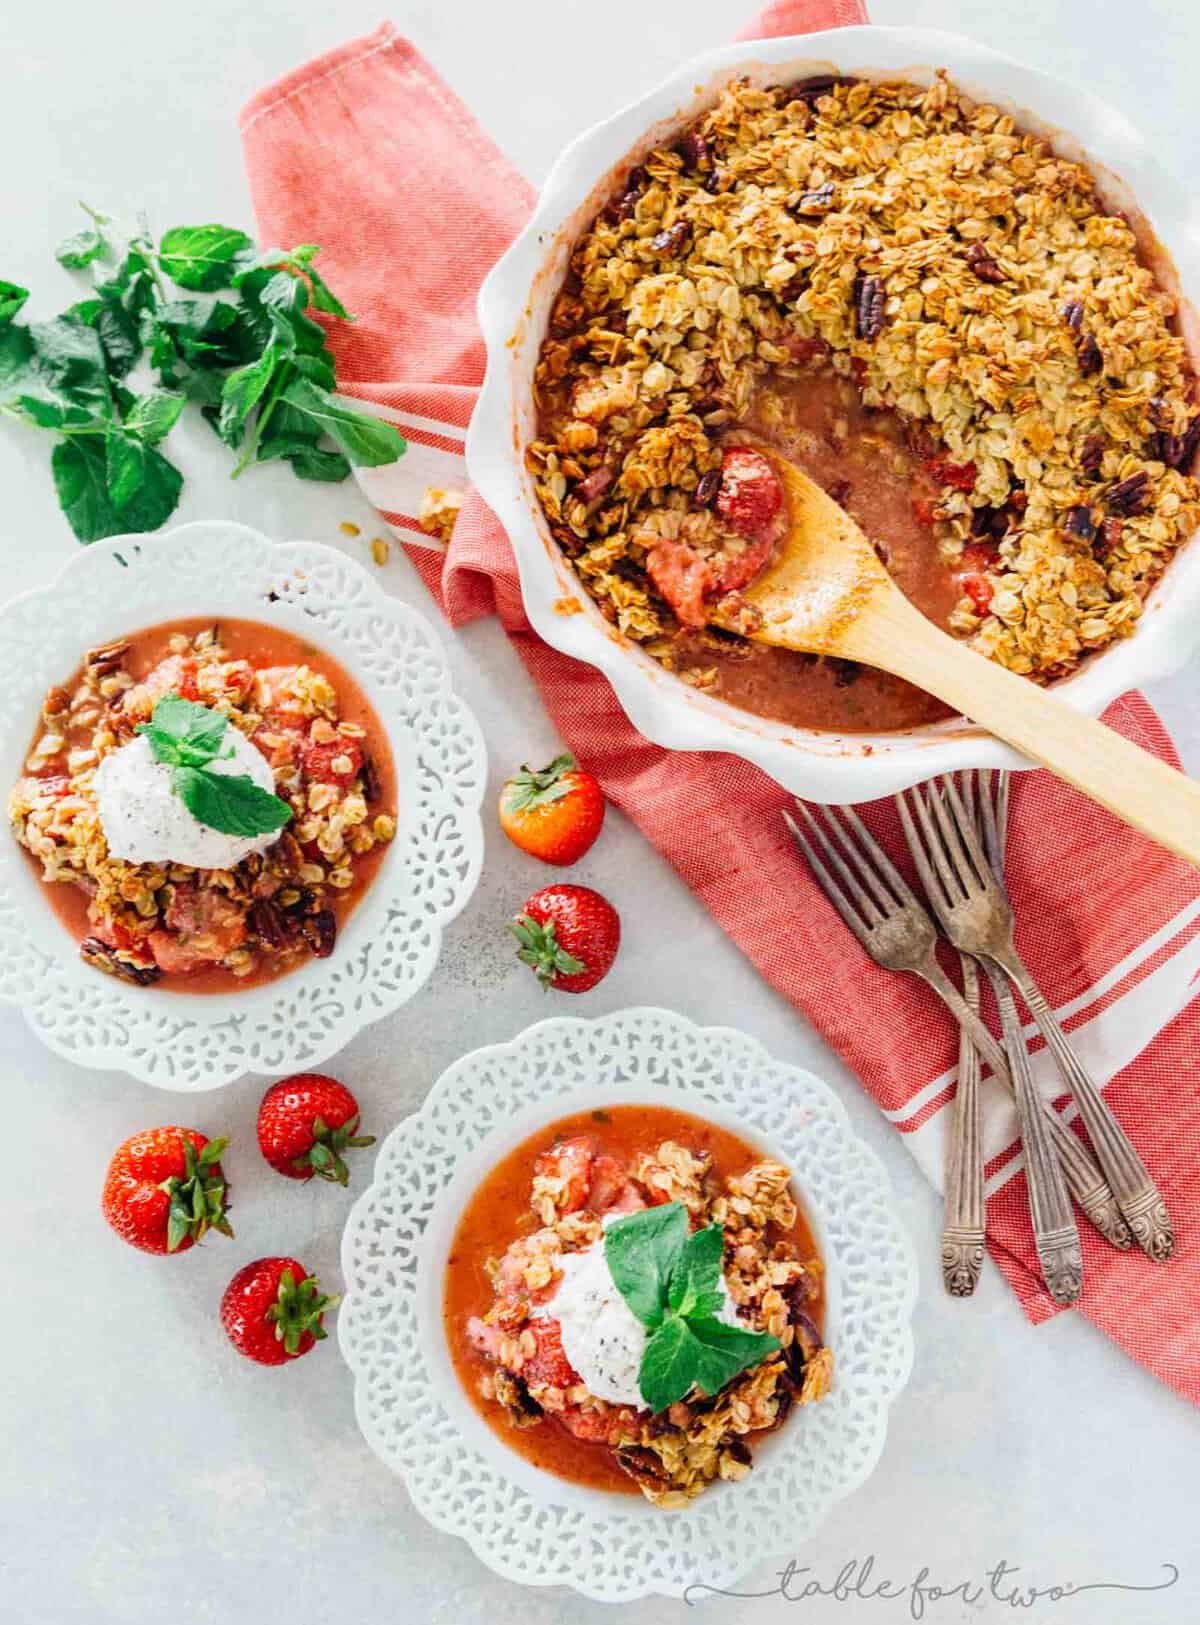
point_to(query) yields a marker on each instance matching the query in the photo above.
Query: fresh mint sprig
(670, 1278)
(241, 346)
(187, 737)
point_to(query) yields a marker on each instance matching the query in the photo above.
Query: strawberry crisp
(551, 1329)
(923, 306)
(293, 718)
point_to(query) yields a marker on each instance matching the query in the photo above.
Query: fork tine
(827, 883)
(860, 856)
(1002, 783)
(867, 906)
(947, 807)
(986, 824)
(940, 843)
(902, 890)
(930, 879)
(970, 835)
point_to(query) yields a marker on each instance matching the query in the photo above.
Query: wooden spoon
(826, 592)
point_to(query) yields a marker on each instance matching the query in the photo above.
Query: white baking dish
(514, 304)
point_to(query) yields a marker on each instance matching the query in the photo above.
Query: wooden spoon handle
(1139, 788)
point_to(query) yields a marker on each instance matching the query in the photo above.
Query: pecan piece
(270, 925)
(1080, 523)
(695, 151)
(1110, 534)
(1176, 450)
(1131, 496)
(673, 240)
(320, 932)
(868, 303)
(807, 90)
(94, 952)
(818, 202)
(984, 266)
(1091, 454)
(109, 656)
(1091, 357)
(635, 183)
(372, 787)
(1073, 315)
(707, 487)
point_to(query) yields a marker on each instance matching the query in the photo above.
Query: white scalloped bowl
(533, 1527)
(388, 947)
(514, 305)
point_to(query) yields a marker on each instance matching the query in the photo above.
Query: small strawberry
(273, 1311)
(305, 1122)
(569, 935)
(554, 814)
(164, 1190)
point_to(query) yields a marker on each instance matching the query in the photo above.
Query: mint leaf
(12, 298)
(81, 482)
(641, 1250)
(697, 1270)
(314, 464)
(80, 250)
(667, 1371)
(153, 416)
(149, 501)
(367, 441)
(243, 390)
(721, 1352)
(125, 467)
(233, 804)
(184, 733)
(202, 257)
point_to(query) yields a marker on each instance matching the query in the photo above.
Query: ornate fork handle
(1088, 1185)
(1054, 1227)
(1137, 1195)
(962, 1224)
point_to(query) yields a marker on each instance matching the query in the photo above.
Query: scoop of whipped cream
(601, 1336)
(144, 821)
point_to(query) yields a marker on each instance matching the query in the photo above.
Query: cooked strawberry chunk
(174, 675)
(683, 577)
(599, 1427)
(336, 761)
(739, 572)
(961, 476)
(979, 590)
(612, 1189)
(548, 1363)
(750, 496)
(567, 1170)
(201, 928)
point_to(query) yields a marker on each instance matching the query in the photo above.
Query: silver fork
(1137, 1195)
(894, 929)
(945, 864)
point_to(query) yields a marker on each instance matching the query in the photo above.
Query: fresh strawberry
(336, 761)
(164, 1190)
(569, 935)
(305, 1122)
(750, 497)
(549, 1362)
(273, 1311)
(553, 814)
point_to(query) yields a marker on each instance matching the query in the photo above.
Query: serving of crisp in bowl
(952, 289)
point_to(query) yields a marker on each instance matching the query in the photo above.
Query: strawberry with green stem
(568, 936)
(164, 1190)
(273, 1311)
(305, 1123)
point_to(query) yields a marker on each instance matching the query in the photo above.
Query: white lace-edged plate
(390, 943)
(530, 1526)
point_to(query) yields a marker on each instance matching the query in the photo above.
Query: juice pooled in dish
(633, 1296)
(206, 804)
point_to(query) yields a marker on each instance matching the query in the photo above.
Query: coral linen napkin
(412, 204)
